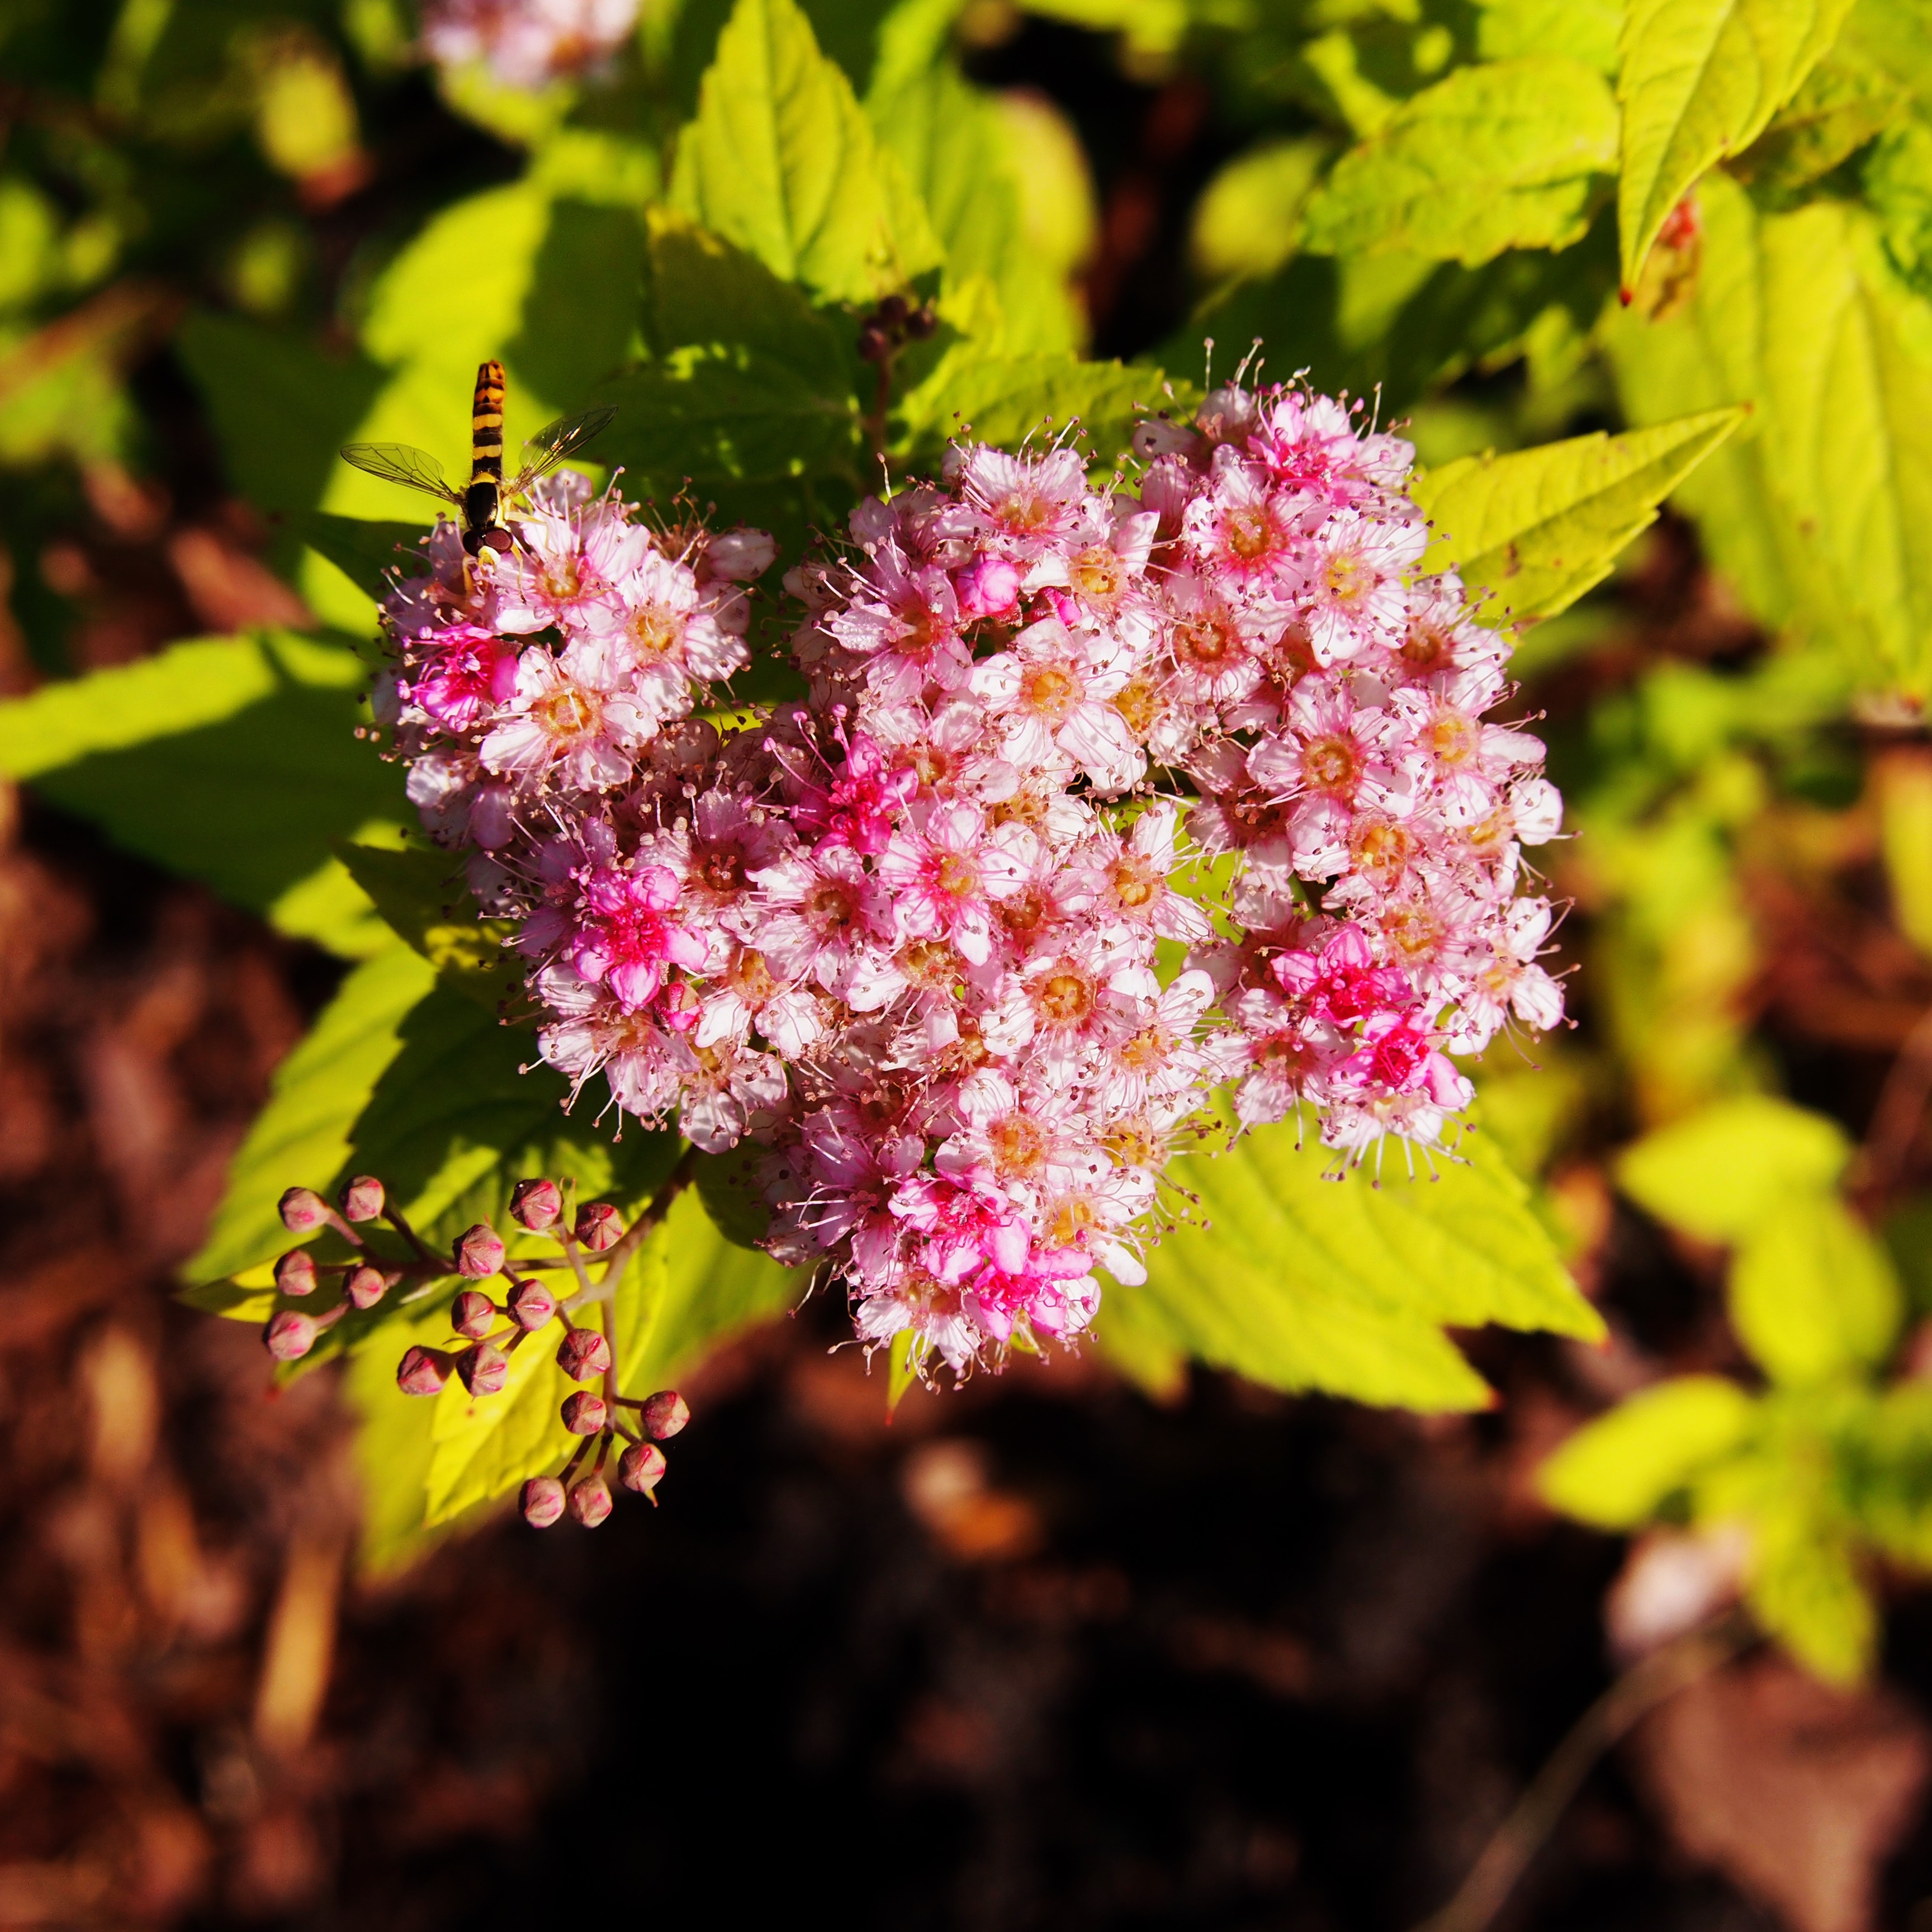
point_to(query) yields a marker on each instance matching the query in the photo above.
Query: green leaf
(1719, 1173)
(484, 1446)
(281, 409)
(1887, 1472)
(691, 1289)
(1803, 1587)
(727, 1184)
(1699, 80)
(304, 1134)
(1813, 1294)
(1498, 155)
(1404, 326)
(1898, 184)
(1300, 1282)
(1247, 222)
(454, 1122)
(1002, 399)
(782, 161)
(1905, 826)
(963, 155)
(366, 554)
(423, 896)
(395, 1444)
(1586, 30)
(1537, 529)
(1838, 110)
(157, 753)
(1618, 1471)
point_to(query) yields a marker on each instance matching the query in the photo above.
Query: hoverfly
(479, 504)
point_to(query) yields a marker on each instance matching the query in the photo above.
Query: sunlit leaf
(1537, 529)
(782, 161)
(1719, 1173)
(302, 1137)
(1619, 1470)
(157, 752)
(423, 896)
(1499, 155)
(1812, 1295)
(1301, 1281)
(1700, 80)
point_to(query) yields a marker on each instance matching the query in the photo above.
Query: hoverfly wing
(398, 463)
(555, 441)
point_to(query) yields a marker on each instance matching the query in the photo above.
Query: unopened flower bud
(483, 1369)
(531, 1305)
(479, 1252)
(288, 1335)
(874, 344)
(295, 1272)
(541, 1502)
(641, 1468)
(891, 311)
(584, 1413)
(361, 1198)
(599, 1225)
(664, 1414)
(424, 1371)
(589, 1502)
(922, 321)
(366, 1286)
(303, 1210)
(582, 1354)
(472, 1313)
(536, 1205)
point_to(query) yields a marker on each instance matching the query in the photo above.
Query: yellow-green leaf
(1717, 1173)
(1699, 80)
(302, 1136)
(1302, 1281)
(1501, 155)
(424, 897)
(1535, 530)
(1812, 1293)
(782, 160)
(1618, 1471)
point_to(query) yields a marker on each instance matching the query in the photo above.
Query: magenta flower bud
(531, 1305)
(664, 1414)
(541, 1502)
(599, 1225)
(479, 1253)
(641, 1468)
(584, 1413)
(295, 1272)
(366, 1286)
(472, 1313)
(589, 1502)
(361, 1198)
(988, 589)
(288, 1335)
(483, 1369)
(582, 1354)
(424, 1371)
(303, 1210)
(536, 1205)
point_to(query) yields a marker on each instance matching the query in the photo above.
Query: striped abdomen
(480, 501)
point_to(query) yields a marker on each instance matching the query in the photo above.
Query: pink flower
(945, 877)
(574, 717)
(471, 670)
(624, 936)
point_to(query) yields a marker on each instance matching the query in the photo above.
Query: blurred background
(1064, 1648)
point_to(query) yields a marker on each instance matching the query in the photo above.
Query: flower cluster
(525, 43)
(1099, 799)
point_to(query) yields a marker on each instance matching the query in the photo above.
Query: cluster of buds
(929, 940)
(487, 1331)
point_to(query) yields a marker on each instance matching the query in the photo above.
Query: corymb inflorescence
(1100, 800)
